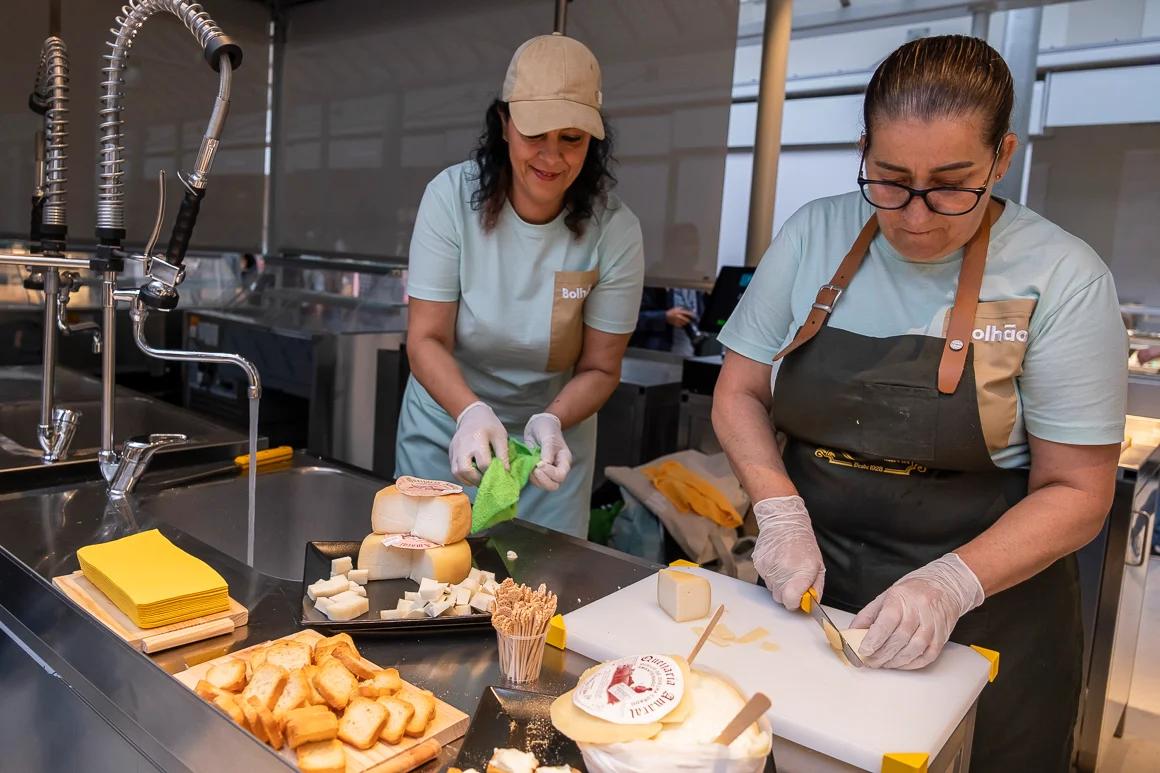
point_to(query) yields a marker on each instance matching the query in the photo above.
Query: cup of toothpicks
(520, 618)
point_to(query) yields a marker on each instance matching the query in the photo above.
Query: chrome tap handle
(156, 233)
(135, 457)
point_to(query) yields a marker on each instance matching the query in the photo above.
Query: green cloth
(498, 496)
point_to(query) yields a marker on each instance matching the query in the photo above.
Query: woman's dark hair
(943, 77)
(495, 174)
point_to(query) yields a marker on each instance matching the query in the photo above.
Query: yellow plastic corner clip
(913, 762)
(683, 562)
(557, 635)
(992, 656)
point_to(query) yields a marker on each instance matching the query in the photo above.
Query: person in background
(949, 371)
(667, 318)
(525, 275)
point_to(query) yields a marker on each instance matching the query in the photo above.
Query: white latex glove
(545, 432)
(786, 554)
(911, 620)
(479, 436)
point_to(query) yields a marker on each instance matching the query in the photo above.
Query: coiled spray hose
(221, 53)
(50, 98)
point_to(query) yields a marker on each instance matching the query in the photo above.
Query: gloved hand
(544, 431)
(786, 554)
(911, 620)
(479, 436)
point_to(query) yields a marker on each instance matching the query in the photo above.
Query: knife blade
(813, 608)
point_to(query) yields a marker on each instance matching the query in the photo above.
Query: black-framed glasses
(943, 200)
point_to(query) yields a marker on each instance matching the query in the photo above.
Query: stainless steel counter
(166, 724)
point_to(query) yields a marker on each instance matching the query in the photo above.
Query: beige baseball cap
(553, 82)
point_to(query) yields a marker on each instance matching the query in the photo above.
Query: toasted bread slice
(253, 721)
(355, 664)
(294, 695)
(229, 675)
(290, 655)
(209, 691)
(324, 647)
(399, 713)
(383, 684)
(310, 724)
(256, 658)
(322, 757)
(266, 685)
(272, 727)
(230, 705)
(310, 672)
(362, 722)
(335, 684)
(424, 703)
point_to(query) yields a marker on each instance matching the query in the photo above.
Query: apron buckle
(828, 308)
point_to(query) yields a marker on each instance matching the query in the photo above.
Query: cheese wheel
(393, 512)
(382, 562)
(585, 728)
(448, 563)
(444, 519)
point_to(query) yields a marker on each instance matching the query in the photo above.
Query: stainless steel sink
(297, 505)
(21, 383)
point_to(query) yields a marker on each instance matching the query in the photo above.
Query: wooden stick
(750, 713)
(706, 634)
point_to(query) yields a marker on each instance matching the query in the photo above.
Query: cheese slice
(684, 596)
(446, 564)
(382, 562)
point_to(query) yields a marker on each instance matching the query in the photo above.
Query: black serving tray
(385, 594)
(516, 719)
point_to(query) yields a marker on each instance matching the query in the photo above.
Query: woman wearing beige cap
(525, 280)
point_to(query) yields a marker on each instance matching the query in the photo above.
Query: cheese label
(408, 542)
(421, 487)
(632, 691)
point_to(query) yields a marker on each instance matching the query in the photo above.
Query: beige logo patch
(567, 335)
(1000, 338)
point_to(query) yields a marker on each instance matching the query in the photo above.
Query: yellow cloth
(153, 581)
(691, 493)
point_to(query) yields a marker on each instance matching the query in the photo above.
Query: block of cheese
(684, 596)
(382, 562)
(441, 519)
(447, 563)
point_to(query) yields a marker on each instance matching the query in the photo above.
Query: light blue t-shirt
(1050, 349)
(525, 291)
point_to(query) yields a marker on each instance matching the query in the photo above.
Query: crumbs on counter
(512, 555)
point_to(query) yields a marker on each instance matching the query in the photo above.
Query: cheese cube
(382, 562)
(331, 587)
(415, 614)
(356, 588)
(461, 595)
(446, 564)
(684, 596)
(431, 590)
(460, 610)
(486, 577)
(412, 595)
(474, 574)
(471, 583)
(390, 614)
(406, 606)
(341, 566)
(322, 603)
(360, 576)
(483, 602)
(436, 608)
(348, 608)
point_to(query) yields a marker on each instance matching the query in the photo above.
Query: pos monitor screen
(727, 291)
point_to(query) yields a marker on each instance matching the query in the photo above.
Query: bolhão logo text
(573, 293)
(1010, 332)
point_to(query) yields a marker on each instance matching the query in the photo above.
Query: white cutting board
(853, 715)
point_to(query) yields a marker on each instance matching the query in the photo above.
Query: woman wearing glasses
(948, 371)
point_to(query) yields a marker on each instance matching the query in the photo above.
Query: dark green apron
(895, 474)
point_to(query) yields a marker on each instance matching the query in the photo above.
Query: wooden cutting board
(849, 714)
(86, 595)
(449, 724)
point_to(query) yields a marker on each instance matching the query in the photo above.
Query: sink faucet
(165, 271)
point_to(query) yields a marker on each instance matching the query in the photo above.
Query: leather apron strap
(962, 319)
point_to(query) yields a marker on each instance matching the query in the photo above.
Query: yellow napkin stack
(153, 581)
